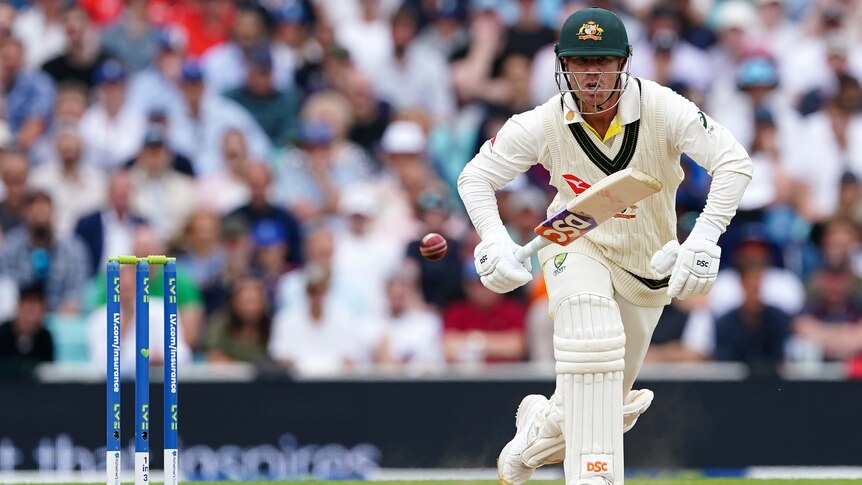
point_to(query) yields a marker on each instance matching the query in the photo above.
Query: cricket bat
(600, 202)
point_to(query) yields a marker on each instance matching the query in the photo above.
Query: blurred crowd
(291, 153)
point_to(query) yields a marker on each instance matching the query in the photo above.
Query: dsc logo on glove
(597, 466)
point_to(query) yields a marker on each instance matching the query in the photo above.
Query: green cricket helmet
(592, 32)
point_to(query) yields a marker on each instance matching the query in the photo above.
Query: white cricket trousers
(590, 322)
(582, 274)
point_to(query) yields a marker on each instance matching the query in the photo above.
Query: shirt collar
(629, 109)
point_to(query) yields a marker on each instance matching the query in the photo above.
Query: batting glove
(498, 268)
(693, 264)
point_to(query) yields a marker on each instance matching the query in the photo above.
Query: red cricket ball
(433, 246)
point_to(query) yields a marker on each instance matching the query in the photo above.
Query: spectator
(128, 321)
(324, 164)
(202, 257)
(205, 24)
(269, 260)
(486, 327)
(240, 332)
(364, 258)
(33, 254)
(156, 87)
(409, 77)
(162, 195)
(132, 38)
(837, 70)
(292, 44)
(371, 115)
(668, 57)
(440, 280)
(8, 15)
(412, 332)
(238, 249)
(470, 70)
(319, 337)
(40, 30)
(685, 333)
(345, 290)
(781, 288)
(368, 38)
(405, 177)
(777, 32)
(829, 136)
(756, 94)
(317, 252)
(446, 33)
(528, 34)
(197, 124)
(260, 209)
(158, 122)
(327, 73)
(108, 231)
(24, 340)
(826, 50)
(103, 11)
(231, 185)
(735, 22)
(225, 65)
(840, 243)
(754, 332)
(29, 94)
(75, 187)
(112, 129)
(13, 173)
(773, 188)
(273, 107)
(832, 317)
(82, 56)
(70, 104)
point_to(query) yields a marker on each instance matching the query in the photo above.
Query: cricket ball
(433, 246)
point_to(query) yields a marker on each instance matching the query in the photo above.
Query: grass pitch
(646, 481)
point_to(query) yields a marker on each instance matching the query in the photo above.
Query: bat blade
(597, 204)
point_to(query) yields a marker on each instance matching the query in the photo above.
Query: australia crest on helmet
(590, 30)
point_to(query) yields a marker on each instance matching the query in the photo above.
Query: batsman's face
(593, 78)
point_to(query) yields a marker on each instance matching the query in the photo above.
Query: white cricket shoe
(511, 470)
(635, 404)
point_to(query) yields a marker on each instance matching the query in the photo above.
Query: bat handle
(531, 247)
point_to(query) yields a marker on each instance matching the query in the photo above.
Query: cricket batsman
(608, 288)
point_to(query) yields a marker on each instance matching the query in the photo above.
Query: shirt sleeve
(699, 332)
(513, 150)
(42, 102)
(714, 148)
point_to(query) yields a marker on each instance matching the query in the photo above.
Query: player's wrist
(705, 231)
(496, 232)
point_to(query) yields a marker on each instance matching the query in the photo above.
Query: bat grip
(531, 247)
